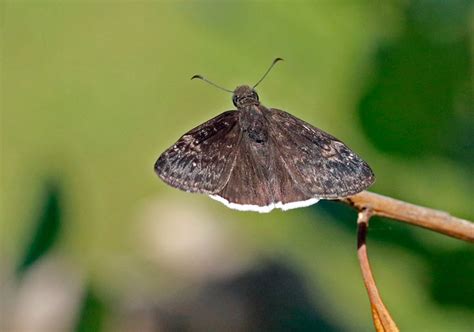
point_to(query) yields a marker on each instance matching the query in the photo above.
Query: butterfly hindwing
(202, 159)
(248, 187)
(260, 180)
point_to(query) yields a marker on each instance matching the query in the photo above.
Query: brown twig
(431, 219)
(382, 320)
(369, 204)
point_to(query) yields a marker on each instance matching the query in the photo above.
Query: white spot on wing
(266, 208)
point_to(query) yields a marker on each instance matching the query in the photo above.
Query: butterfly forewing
(319, 164)
(261, 177)
(248, 183)
(202, 159)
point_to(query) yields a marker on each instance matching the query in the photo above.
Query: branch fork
(369, 204)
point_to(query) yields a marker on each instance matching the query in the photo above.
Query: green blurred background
(93, 91)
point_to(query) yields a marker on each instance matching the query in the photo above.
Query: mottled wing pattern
(202, 159)
(319, 164)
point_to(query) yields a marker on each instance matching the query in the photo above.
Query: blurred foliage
(93, 91)
(422, 97)
(260, 296)
(267, 290)
(445, 271)
(46, 227)
(92, 312)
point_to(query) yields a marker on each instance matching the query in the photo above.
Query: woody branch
(435, 220)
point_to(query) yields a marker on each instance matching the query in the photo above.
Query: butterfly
(256, 158)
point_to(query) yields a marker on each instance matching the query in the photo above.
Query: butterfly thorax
(253, 123)
(251, 118)
(245, 96)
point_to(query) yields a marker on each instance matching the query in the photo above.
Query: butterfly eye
(255, 95)
(234, 100)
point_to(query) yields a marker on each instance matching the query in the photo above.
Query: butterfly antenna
(211, 83)
(268, 70)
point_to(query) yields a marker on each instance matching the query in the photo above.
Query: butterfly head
(245, 96)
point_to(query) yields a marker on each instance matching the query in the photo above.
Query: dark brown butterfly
(257, 159)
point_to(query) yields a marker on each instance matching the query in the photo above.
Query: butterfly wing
(252, 162)
(319, 164)
(259, 181)
(202, 159)
(248, 186)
